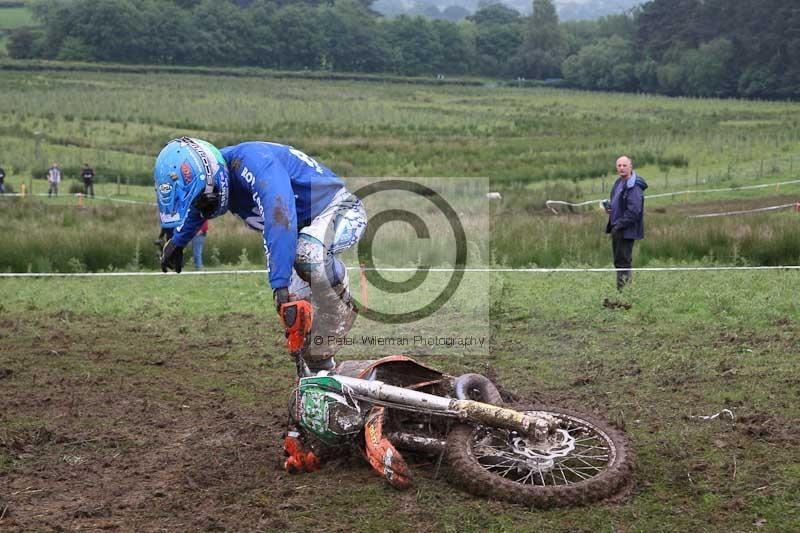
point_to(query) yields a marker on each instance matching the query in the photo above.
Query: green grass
(10, 19)
(47, 235)
(692, 344)
(119, 121)
(15, 17)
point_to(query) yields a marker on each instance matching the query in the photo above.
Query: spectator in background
(625, 217)
(88, 179)
(197, 245)
(2, 181)
(53, 178)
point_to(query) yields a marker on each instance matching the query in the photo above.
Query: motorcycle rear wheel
(585, 461)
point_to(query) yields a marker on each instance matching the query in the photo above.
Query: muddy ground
(141, 424)
(110, 424)
(92, 446)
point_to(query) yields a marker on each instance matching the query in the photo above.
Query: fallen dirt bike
(540, 456)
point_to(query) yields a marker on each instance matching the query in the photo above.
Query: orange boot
(381, 454)
(299, 459)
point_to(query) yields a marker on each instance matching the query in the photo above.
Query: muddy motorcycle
(536, 455)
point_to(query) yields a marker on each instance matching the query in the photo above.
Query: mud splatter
(280, 214)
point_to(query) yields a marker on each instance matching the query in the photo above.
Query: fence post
(118, 190)
(128, 185)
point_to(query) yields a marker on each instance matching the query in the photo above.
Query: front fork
(536, 427)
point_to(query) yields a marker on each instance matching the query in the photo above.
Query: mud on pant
(623, 258)
(320, 276)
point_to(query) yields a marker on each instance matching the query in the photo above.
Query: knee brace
(316, 265)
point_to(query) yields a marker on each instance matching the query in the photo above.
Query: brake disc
(542, 454)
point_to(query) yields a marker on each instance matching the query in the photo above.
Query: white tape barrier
(109, 198)
(746, 211)
(405, 269)
(666, 194)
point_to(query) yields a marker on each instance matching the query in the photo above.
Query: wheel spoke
(504, 456)
(503, 464)
(578, 474)
(527, 476)
(590, 465)
(596, 457)
(587, 448)
(505, 472)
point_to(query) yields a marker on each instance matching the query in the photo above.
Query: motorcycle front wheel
(584, 460)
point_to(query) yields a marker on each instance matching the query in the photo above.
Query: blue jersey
(275, 189)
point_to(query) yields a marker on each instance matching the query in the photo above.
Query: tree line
(678, 47)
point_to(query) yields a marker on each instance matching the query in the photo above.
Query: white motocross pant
(321, 277)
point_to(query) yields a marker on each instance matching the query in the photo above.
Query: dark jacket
(627, 207)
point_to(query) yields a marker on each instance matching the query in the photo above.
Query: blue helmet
(190, 172)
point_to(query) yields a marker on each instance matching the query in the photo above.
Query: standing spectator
(2, 180)
(88, 179)
(625, 217)
(197, 245)
(54, 178)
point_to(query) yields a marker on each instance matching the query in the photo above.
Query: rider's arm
(184, 234)
(272, 193)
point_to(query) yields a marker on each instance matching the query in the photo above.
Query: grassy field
(119, 121)
(15, 17)
(532, 145)
(45, 235)
(10, 18)
(159, 401)
(147, 403)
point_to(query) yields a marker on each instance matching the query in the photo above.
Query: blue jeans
(197, 249)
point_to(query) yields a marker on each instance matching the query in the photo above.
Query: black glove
(289, 315)
(172, 257)
(281, 296)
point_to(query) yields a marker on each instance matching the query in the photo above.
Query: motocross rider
(303, 209)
